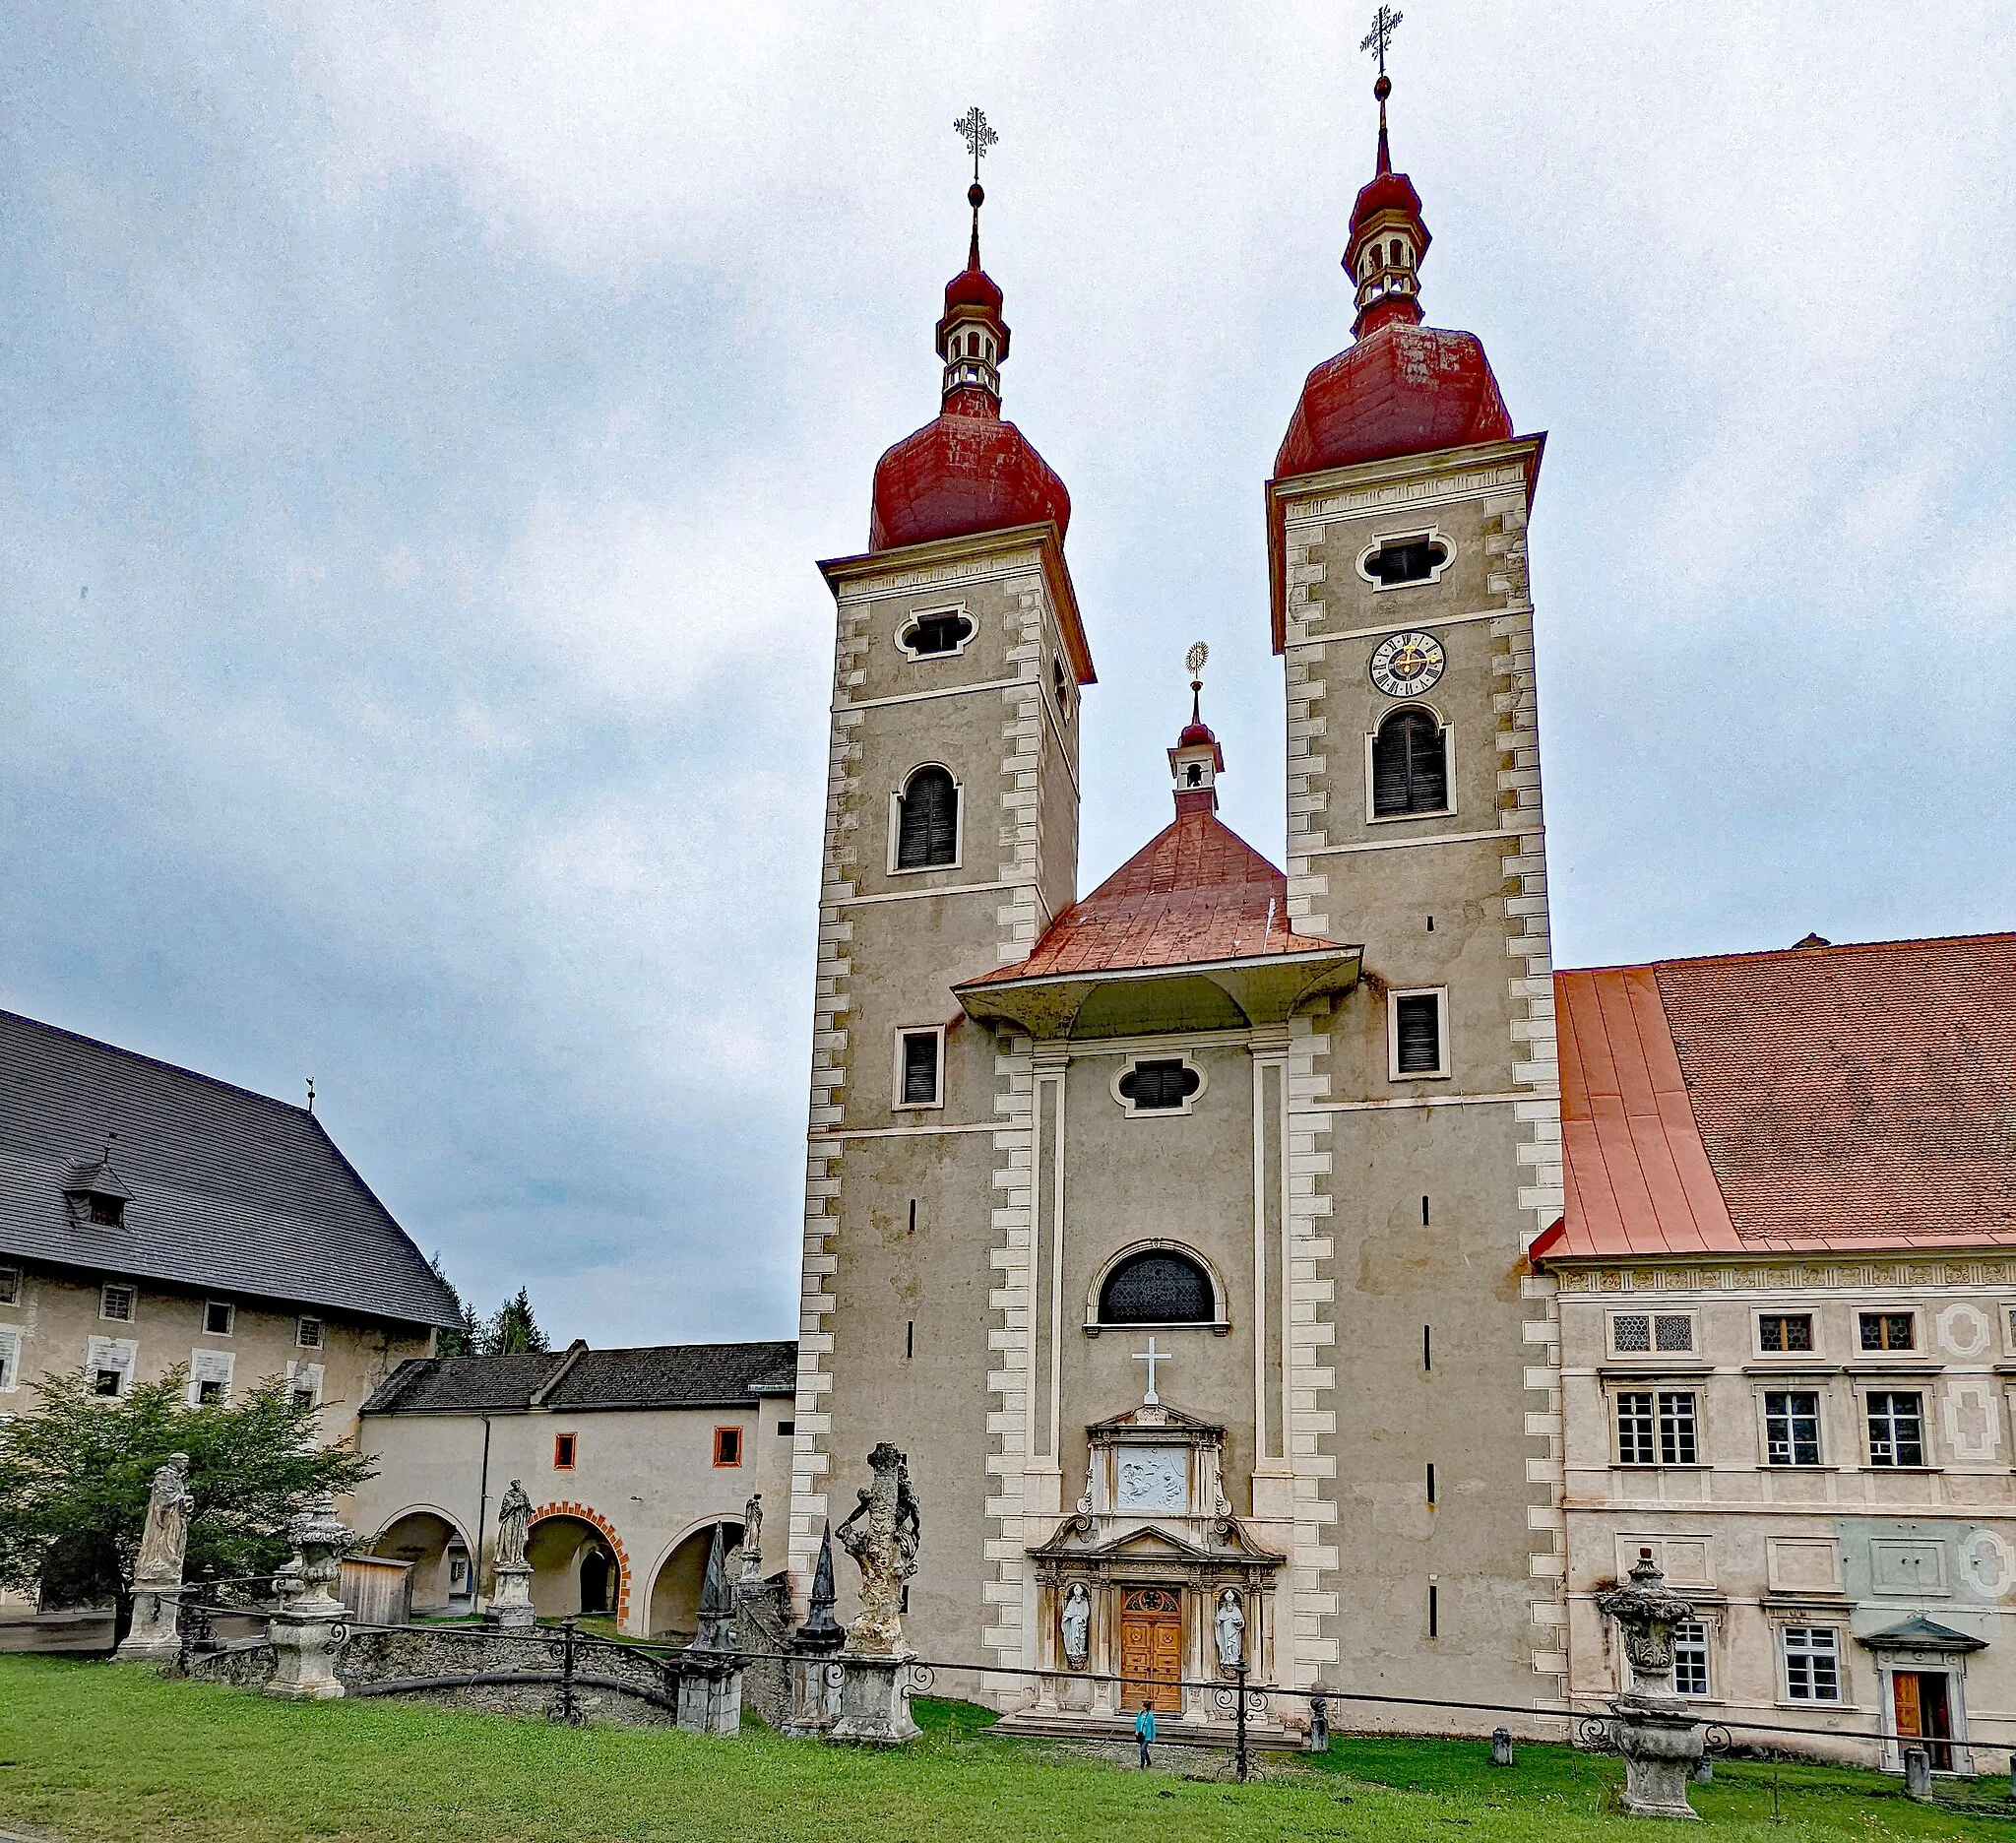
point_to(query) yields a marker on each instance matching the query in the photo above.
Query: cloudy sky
(418, 422)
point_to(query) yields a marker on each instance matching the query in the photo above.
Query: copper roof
(1195, 893)
(1820, 1098)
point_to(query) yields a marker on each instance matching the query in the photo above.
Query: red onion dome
(967, 472)
(1196, 736)
(1402, 388)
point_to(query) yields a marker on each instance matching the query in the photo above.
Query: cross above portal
(1151, 1356)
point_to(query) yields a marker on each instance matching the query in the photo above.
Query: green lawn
(95, 1755)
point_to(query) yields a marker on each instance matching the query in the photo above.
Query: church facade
(1178, 1232)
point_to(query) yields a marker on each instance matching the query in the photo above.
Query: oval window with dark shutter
(1407, 560)
(927, 821)
(1409, 765)
(1159, 1286)
(1157, 1087)
(931, 634)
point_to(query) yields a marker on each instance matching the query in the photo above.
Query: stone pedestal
(306, 1637)
(510, 1607)
(1661, 1743)
(710, 1694)
(155, 1638)
(1918, 1774)
(816, 1678)
(872, 1705)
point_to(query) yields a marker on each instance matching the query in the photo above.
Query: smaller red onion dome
(1402, 388)
(1196, 736)
(967, 472)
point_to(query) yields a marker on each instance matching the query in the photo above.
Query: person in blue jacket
(1144, 1729)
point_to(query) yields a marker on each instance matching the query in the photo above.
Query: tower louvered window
(1417, 1034)
(1409, 766)
(927, 831)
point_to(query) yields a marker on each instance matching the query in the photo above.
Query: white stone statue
(1076, 1623)
(1229, 1628)
(514, 1524)
(752, 1537)
(165, 1540)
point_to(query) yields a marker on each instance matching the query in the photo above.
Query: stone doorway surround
(1155, 1544)
(1921, 1672)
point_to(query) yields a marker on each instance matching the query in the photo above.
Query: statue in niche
(514, 1524)
(1075, 1621)
(1230, 1629)
(165, 1540)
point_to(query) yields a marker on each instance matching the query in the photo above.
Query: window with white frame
(1644, 1334)
(116, 1301)
(1678, 1441)
(305, 1383)
(209, 1379)
(1897, 1428)
(220, 1318)
(1784, 1334)
(1635, 1427)
(308, 1333)
(1887, 1330)
(1690, 1658)
(920, 1066)
(10, 1359)
(924, 828)
(1158, 1085)
(934, 633)
(1417, 1034)
(1792, 1427)
(109, 1364)
(1812, 1662)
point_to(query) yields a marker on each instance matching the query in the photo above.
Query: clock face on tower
(1404, 664)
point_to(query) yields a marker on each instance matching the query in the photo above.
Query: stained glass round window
(1158, 1288)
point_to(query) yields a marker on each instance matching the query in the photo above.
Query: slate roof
(1819, 1099)
(232, 1192)
(654, 1375)
(1196, 892)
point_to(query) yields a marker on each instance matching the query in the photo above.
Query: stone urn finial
(1657, 1733)
(1646, 1612)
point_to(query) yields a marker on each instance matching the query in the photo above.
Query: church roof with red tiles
(1816, 1100)
(1195, 893)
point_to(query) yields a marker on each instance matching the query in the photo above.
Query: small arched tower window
(928, 820)
(1409, 765)
(1157, 1286)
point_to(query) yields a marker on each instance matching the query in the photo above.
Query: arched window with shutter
(1409, 765)
(928, 820)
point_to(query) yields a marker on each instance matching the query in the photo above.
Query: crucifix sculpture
(1151, 1356)
(973, 129)
(1385, 23)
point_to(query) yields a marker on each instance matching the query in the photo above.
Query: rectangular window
(563, 1452)
(106, 1381)
(10, 1286)
(308, 1334)
(919, 1061)
(1634, 1429)
(109, 1364)
(10, 1359)
(1635, 1334)
(219, 1317)
(304, 1380)
(116, 1301)
(1887, 1330)
(1782, 1333)
(728, 1446)
(1677, 1442)
(1897, 1429)
(1690, 1658)
(210, 1393)
(209, 1377)
(1791, 1428)
(1812, 1662)
(1418, 1035)
(303, 1397)
(787, 1427)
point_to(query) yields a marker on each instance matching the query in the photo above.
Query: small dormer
(96, 1193)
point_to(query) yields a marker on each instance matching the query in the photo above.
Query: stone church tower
(1177, 1233)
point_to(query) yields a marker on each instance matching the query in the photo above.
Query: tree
(467, 1340)
(514, 1331)
(75, 1478)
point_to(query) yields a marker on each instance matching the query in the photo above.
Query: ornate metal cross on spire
(973, 129)
(1385, 23)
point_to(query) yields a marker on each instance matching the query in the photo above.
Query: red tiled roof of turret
(1196, 892)
(1814, 1099)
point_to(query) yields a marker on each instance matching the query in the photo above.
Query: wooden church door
(1922, 1714)
(1150, 1648)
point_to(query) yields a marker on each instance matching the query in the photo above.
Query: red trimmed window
(563, 1452)
(728, 1446)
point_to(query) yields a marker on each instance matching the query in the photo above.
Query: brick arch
(586, 1513)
